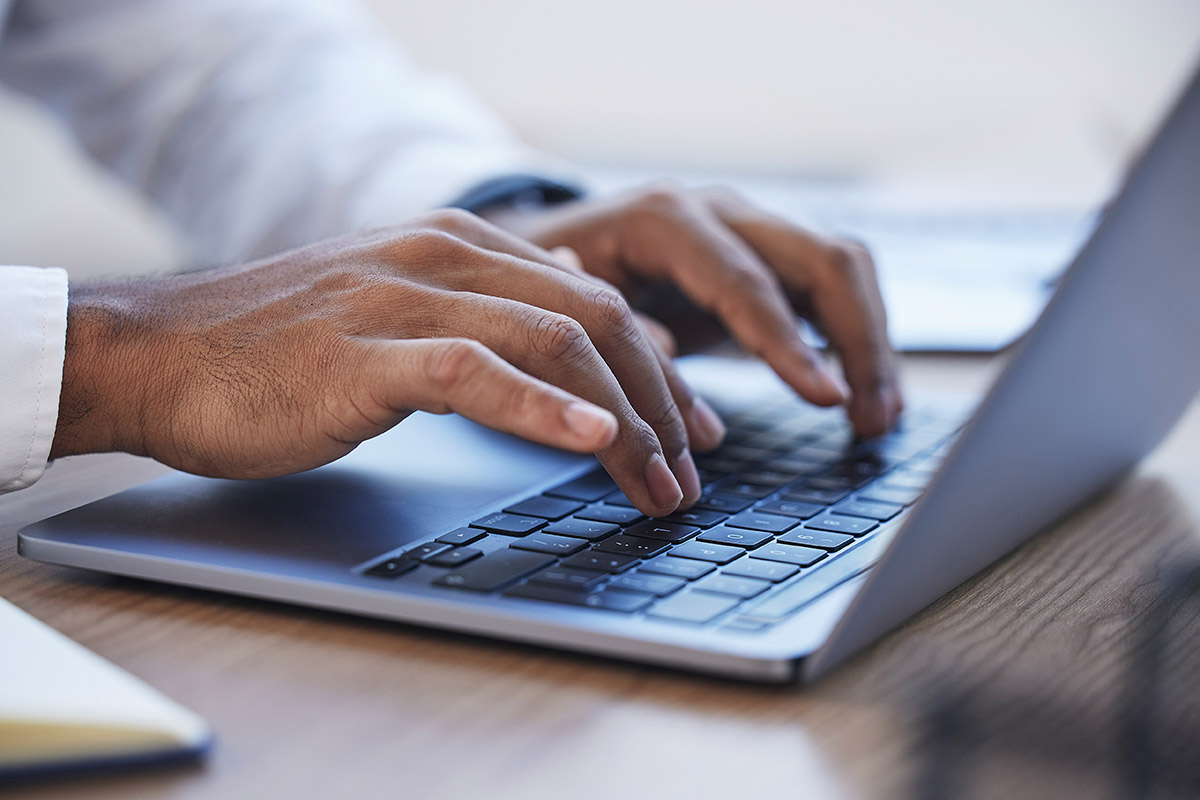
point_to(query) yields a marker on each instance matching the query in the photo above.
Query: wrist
(103, 398)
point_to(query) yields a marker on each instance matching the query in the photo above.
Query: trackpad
(424, 477)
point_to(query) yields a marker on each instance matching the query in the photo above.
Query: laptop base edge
(474, 619)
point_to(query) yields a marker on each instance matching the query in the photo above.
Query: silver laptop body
(1102, 378)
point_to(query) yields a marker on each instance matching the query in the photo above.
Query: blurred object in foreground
(63, 709)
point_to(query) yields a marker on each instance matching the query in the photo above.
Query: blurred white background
(1044, 95)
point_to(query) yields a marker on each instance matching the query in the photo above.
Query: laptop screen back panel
(1102, 378)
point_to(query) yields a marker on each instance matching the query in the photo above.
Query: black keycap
(461, 536)
(743, 489)
(797, 467)
(665, 531)
(452, 558)
(583, 529)
(621, 515)
(882, 494)
(700, 517)
(774, 571)
(789, 554)
(832, 483)
(652, 584)
(702, 551)
(543, 506)
(750, 455)
(771, 440)
(766, 477)
(622, 601)
(811, 538)
(905, 449)
(838, 523)
(756, 521)
(508, 524)
(739, 537)
(589, 488)
(838, 440)
(636, 546)
(392, 567)
(684, 568)
(567, 578)
(791, 508)
(495, 570)
(722, 466)
(603, 562)
(725, 503)
(864, 466)
(424, 551)
(865, 508)
(818, 455)
(542, 542)
(693, 607)
(618, 499)
(804, 494)
(734, 585)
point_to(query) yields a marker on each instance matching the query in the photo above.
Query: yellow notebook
(63, 708)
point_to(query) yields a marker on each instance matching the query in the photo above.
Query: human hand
(288, 363)
(753, 271)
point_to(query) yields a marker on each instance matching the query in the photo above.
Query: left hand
(754, 271)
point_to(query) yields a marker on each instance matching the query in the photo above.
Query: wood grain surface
(1029, 681)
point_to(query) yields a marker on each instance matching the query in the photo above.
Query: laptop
(807, 545)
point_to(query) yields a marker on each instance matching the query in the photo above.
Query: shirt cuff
(516, 191)
(33, 336)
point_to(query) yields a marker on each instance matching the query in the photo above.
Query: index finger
(723, 275)
(839, 282)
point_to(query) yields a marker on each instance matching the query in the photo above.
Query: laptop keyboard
(793, 506)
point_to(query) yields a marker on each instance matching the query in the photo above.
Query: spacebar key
(495, 570)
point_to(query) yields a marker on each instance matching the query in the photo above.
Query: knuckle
(846, 259)
(453, 363)
(663, 416)
(741, 282)
(610, 311)
(453, 220)
(641, 437)
(437, 243)
(663, 197)
(557, 337)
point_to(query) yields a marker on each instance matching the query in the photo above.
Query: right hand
(288, 363)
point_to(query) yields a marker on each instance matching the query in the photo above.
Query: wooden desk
(1011, 686)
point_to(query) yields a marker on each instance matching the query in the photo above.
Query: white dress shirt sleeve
(33, 331)
(258, 125)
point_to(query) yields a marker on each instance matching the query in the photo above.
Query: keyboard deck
(793, 505)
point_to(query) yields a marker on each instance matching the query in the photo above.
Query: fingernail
(689, 478)
(664, 489)
(837, 384)
(710, 425)
(590, 422)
